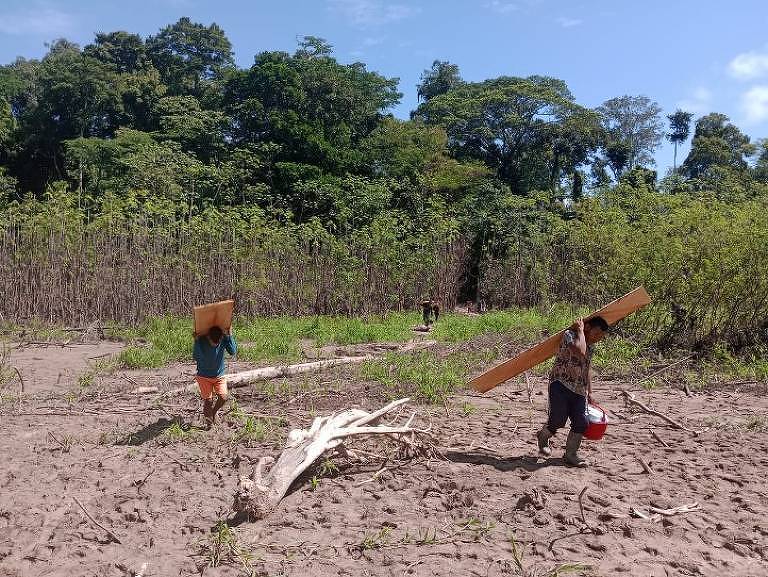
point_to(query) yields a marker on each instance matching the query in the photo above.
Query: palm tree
(680, 128)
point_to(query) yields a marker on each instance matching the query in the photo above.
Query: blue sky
(702, 56)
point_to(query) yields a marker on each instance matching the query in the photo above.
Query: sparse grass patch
(222, 547)
(177, 433)
(423, 375)
(468, 409)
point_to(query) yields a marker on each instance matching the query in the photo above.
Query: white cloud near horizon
(754, 104)
(699, 103)
(368, 13)
(37, 20)
(749, 65)
(566, 22)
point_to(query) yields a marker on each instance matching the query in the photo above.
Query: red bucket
(597, 422)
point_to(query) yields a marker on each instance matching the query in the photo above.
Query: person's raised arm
(229, 343)
(580, 343)
(197, 349)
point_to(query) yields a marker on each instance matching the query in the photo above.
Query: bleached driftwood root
(259, 494)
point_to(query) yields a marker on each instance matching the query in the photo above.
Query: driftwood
(630, 398)
(259, 494)
(266, 373)
(281, 371)
(657, 514)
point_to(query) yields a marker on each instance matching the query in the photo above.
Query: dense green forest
(141, 175)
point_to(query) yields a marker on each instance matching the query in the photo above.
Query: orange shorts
(209, 385)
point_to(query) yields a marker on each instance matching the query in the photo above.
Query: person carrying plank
(209, 352)
(570, 387)
(429, 308)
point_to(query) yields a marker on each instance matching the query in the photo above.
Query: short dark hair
(600, 323)
(215, 333)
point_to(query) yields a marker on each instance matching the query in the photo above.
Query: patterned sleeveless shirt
(570, 367)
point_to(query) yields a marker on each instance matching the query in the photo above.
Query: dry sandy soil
(488, 507)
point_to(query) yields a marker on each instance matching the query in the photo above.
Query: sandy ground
(489, 507)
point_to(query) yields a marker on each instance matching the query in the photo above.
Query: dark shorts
(564, 404)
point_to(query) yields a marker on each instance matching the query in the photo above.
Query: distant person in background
(209, 352)
(428, 309)
(570, 387)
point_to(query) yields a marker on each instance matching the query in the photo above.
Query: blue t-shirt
(210, 358)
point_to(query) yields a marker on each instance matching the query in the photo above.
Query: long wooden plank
(612, 313)
(214, 314)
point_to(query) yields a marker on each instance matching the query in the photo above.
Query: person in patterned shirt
(570, 387)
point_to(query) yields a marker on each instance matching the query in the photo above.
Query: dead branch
(644, 465)
(259, 494)
(630, 398)
(659, 439)
(21, 379)
(111, 535)
(581, 509)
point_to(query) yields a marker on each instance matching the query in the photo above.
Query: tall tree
(442, 77)
(528, 130)
(317, 109)
(761, 162)
(191, 56)
(124, 52)
(679, 130)
(633, 125)
(717, 145)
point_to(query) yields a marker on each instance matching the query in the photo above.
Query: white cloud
(700, 102)
(749, 65)
(566, 22)
(373, 41)
(38, 20)
(502, 7)
(754, 102)
(367, 13)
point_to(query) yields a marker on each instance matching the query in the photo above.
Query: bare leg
(208, 411)
(219, 403)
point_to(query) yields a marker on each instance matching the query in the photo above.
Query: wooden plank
(214, 314)
(612, 313)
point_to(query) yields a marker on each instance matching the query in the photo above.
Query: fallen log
(246, 377)
(259, 494)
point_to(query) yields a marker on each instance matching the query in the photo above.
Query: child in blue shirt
(209, 352)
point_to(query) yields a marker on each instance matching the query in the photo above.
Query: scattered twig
(659, 439)
(140, 484)
(95, 522)
(631, 399)
(529, 388)
(644, 465)
(21, 379)
(581, 509)
(63, 446)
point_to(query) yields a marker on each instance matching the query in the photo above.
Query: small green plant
(478, 528)
(328, 468)
(377, 540)
(222, 548)
(314, 483)
(85, 380)
(468, 409)
(177, 433)
(252, 430)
